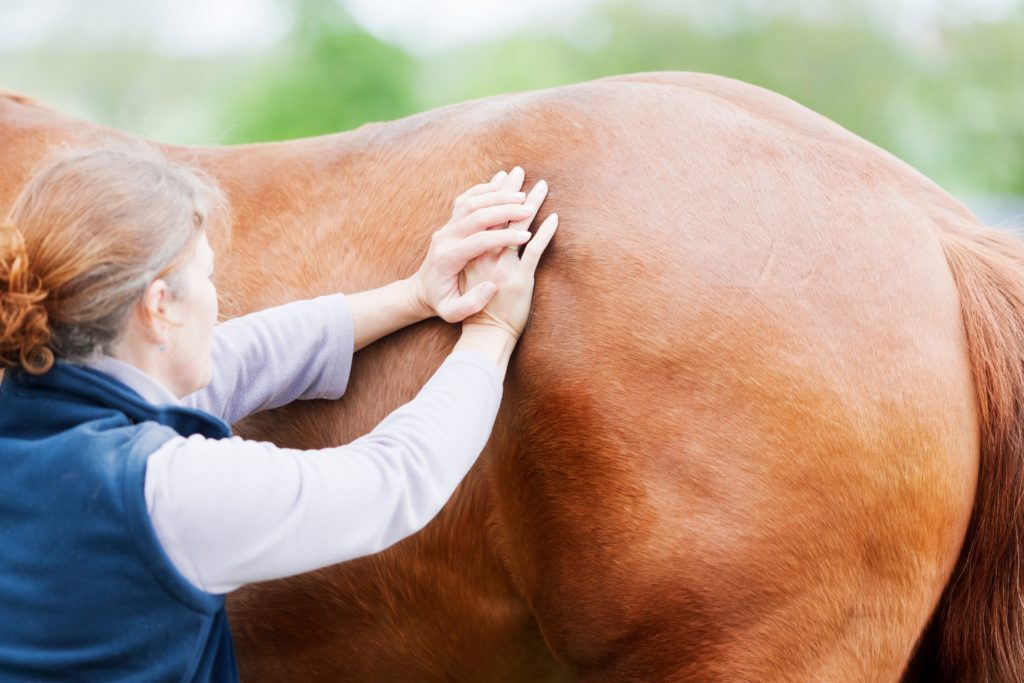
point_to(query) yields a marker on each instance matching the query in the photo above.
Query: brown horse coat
(740, 438)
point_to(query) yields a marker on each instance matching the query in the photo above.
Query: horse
(765, 423)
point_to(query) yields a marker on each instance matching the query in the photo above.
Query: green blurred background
(940, 83)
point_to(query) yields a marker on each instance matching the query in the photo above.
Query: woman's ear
(153, 311)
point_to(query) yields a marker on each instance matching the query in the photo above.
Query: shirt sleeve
(263, 360)
(231, 511)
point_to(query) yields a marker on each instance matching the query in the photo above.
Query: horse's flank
(739, 439)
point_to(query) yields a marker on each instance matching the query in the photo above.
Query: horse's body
(740, 438)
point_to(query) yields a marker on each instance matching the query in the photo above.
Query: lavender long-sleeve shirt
(230, 511)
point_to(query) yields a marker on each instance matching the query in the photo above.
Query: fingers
(482, 219)
(533, 201)
(513, 182)
(481, 242)
(469, 303)
(488, 199)
(532, 252)
(501, 182)
(482, 188)
(496, 183)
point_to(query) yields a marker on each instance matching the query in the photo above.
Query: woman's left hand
(435, 286)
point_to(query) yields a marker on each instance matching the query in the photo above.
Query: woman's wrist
(495, 343)
(419, 308)
(379, 312)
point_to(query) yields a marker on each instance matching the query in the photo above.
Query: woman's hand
(509, 308)
(435, 286)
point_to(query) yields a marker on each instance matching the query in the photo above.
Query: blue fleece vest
(86, 591)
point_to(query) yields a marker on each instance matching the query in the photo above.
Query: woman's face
(195, 311)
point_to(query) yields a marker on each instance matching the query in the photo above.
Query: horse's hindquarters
(742, 444)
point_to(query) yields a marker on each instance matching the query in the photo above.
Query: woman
(127, 510)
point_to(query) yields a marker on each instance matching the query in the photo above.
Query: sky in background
(183, 27)
(203, 27)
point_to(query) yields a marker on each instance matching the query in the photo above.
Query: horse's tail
(977, 633)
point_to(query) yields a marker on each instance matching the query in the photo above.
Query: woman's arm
(300, 350)
(229, 512)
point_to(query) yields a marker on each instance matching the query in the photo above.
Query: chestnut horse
(765, 422)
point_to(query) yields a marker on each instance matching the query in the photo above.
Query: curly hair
(24, 332)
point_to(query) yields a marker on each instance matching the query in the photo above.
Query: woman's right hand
(509, 308)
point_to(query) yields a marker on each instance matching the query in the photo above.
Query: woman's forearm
(379, 312)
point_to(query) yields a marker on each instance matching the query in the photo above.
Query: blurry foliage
(329, 76)
(947, 99)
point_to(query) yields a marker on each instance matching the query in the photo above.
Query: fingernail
(523, 235)
(519, 195)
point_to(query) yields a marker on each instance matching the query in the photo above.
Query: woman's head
(106, 248)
